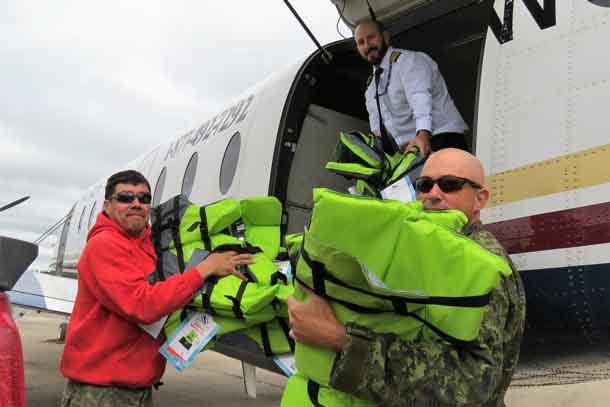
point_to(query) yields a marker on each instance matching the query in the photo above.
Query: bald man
(395, 372)
(407, 98)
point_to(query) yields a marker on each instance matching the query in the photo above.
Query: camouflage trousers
(78, 394)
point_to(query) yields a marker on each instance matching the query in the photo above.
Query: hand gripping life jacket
(359, 156)
(393, 268)
(184, 234)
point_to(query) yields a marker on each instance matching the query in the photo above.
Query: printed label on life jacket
(286, 363)
(401, 190)
(189, 339)
(284, 267)
(375, 281)
(353, 190)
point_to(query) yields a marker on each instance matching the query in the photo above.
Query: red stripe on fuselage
(584, 226)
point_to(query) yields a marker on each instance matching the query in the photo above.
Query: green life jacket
(184, 234)
(359, 156)
(417, 278)
(272, 336)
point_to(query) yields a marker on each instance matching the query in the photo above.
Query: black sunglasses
(447, 183)
(128, 197)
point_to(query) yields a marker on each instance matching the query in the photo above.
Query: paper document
(401, 190)
(155, 328)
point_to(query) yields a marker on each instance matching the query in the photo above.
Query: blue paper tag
(189, 339)
(286, 363)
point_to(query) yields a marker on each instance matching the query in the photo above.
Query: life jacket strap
(237, 300)
(156, 238)
(239, 249)
(319, 272)
(399, 304)
(206, 294)
(400, 309)
(313, 391)
(286, 330)
(265, 339)
(203, 229)
(277, 276)
(176, 234)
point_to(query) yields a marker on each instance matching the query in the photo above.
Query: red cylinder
(12, 380)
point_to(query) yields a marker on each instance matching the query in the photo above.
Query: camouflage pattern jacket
(393, 372)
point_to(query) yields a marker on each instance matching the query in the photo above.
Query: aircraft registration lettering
(545, 16)
(503, 30)
(219, 123)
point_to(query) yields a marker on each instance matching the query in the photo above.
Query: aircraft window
(159, 187)
(189, 176)
(229, 163)
(80, 220)
(91, 215)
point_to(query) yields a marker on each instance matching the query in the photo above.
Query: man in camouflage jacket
(393, 372)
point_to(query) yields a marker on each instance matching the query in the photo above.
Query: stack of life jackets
(184, 234)
(418, 278)
(360, 157)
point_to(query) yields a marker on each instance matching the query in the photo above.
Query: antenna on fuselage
(371, 11)
(327, 57)
(14, 203)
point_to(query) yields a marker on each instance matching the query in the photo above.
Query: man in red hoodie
(108, 359)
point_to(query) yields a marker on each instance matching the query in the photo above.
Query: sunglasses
(446, 183)
(128, 197)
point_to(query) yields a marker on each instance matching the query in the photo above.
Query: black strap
(237, 300)
(184, 314)
(313, 391)
(278, 275)
(282, 256)
(156, 238)
(318, 270)
(237, 248)
(400, 309)
(286, 330)
(399, 304)
(176, 234)
(206, 294)
(203, 229)
(389, 144)
(265, 338)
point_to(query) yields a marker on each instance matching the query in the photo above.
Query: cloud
(89, 86)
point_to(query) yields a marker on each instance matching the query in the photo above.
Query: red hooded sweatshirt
(104, 344)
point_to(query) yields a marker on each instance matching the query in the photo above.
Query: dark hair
(380, 27)
(131, 177)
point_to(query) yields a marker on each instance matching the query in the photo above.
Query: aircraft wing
(44, 291)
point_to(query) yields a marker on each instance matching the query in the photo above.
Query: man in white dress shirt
(407, 98)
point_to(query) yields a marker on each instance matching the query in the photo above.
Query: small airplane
(531, 80)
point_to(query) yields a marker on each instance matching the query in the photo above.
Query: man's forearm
(388, 370)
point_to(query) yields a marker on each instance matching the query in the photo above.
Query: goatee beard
(381, 51)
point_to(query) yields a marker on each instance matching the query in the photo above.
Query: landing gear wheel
(63, 328)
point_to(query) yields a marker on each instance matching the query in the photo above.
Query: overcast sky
(89, 85)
